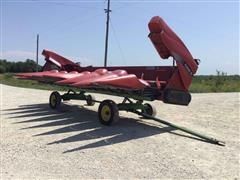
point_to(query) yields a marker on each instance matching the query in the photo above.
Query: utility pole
(37, 53)
(107, 31)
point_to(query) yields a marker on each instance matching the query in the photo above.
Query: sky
(76, 29)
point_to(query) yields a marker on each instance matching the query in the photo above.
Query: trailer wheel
(149, 110)
(55, 100)
(108, 112)
(90, 99)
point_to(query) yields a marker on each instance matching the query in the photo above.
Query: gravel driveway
(37, 142)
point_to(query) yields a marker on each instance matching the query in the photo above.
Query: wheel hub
(106, 113)
(53, 100)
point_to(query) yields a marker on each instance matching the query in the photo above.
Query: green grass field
(200, 84)
(217, 83)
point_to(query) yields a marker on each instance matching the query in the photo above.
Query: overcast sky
(76, 29)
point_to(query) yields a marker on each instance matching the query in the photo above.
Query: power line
(53, 1)
(71, 19)
(118, 43)
(71, 29)
(64, 4)
(65, 20)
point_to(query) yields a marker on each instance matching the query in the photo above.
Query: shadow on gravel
(85, 122)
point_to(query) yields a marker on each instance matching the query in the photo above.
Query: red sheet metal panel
(127, 81)
(56, 57)
(118, 78)
(63, 75)
(83, 77)
(168, 43)
(40, 74)
(47, 73)
(91, 80)
(96, 79)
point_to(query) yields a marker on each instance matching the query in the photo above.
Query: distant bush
(16, 67)
(2, 69)
(221, 82)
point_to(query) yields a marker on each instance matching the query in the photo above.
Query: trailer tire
(149, 110)
(90, 99)
(55, 100)
(108, 112)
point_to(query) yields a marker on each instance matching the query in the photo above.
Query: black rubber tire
(108, 112)
(90, 99)
(149, 110)
(55, 100)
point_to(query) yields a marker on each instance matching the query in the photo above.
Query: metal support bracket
(71, 94)
(130, 105)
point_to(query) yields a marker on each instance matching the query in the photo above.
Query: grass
(200, 84)
(217, 83)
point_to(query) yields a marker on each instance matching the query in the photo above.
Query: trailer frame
(108, 111)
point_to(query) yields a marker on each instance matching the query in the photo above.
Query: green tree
(2, 69)
(16, 67)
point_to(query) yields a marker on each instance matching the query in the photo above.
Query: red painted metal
(118, 78)
(167, 44)
(164, 81)
(127, 81)
(97, 79)
(59, 61)
(78, 79)
(35, 74)
(62, 76)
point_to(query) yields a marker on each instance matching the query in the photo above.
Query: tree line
(16, 67)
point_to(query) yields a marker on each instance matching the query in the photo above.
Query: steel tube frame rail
(184, 129)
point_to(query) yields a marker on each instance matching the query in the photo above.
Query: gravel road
(40, 143)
